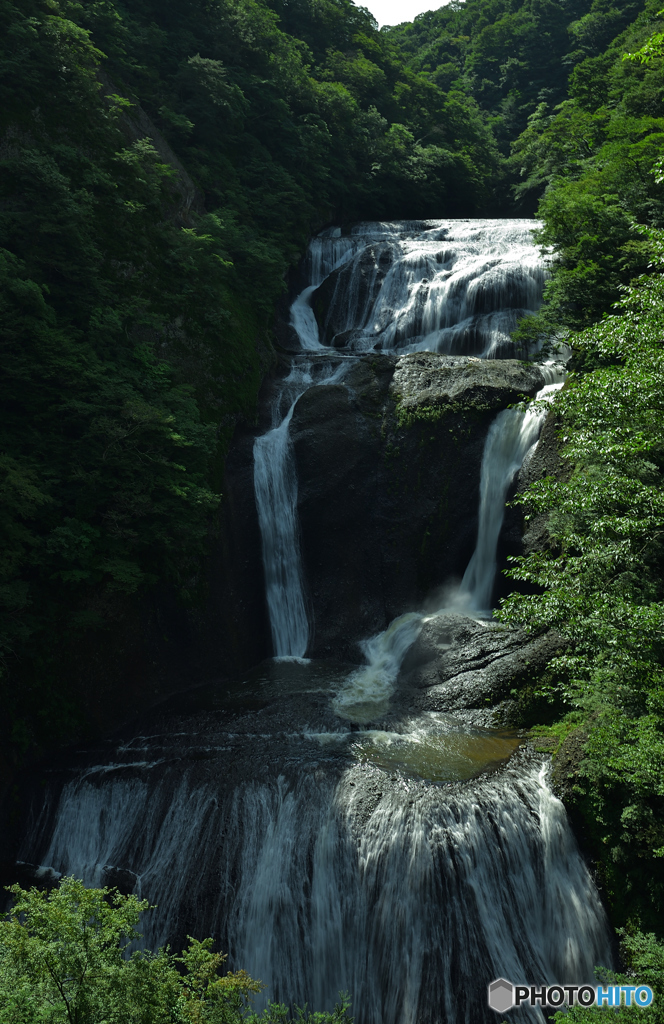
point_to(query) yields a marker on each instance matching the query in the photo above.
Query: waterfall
(365, 694)
(410, 896)
(511, 435)
(451, 286)
(275, 485)
(304, 321)
(275, 479)
(275, 489)
(326, 839)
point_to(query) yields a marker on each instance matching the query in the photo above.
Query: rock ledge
(427, 379)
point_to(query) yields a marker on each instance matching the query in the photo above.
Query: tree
(66, 958)
(599, 585)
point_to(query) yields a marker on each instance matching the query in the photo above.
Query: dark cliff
(389, 469)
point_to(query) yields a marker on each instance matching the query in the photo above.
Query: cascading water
(511, 436)
(326, 839)
(456, 287)
(275, 486)
(326, 252)
(275, 480)
(411, 896)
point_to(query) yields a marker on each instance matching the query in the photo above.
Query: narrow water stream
(328, 834)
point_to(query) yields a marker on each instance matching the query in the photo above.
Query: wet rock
(461, 663)
(338, 455)
(285, 335)
(388, 502)
(27, 876)
(432, 381)
(122, 879)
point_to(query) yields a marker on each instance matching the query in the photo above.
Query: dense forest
(161, 169)
(139, 285)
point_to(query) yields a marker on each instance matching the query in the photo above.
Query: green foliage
(593, 156)
(643, 959)
(510, 57)
(600, 586)
(65, 958)
(137, 286)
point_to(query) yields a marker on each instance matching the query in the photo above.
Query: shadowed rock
(461, 663)
(388, 466)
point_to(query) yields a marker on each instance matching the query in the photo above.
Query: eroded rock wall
(388, 466)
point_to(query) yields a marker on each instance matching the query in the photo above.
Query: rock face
(460, 663)
(427, 381)
(388, 466)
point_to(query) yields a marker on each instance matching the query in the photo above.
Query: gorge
(373, 827)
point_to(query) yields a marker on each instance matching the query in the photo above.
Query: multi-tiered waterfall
(455, 287)
(328, 836)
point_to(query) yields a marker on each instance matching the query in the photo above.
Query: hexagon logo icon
(501, 995)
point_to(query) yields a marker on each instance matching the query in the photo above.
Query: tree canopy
(66, 957)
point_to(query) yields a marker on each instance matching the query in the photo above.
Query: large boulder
(388, 465)
(425, 382)
(461, 663)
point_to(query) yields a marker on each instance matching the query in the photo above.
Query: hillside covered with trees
(162, 168)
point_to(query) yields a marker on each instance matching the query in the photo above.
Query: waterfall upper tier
(442, 295)
(453, 286)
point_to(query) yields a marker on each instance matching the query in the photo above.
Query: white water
(326, 252)
(511, 436)
(412, 897)
(304, 321)
(275, 489)
(365, 694)
(450, 286)
(314, 866)
(275, 484)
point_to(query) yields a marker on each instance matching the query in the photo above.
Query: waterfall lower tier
(412, 897)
